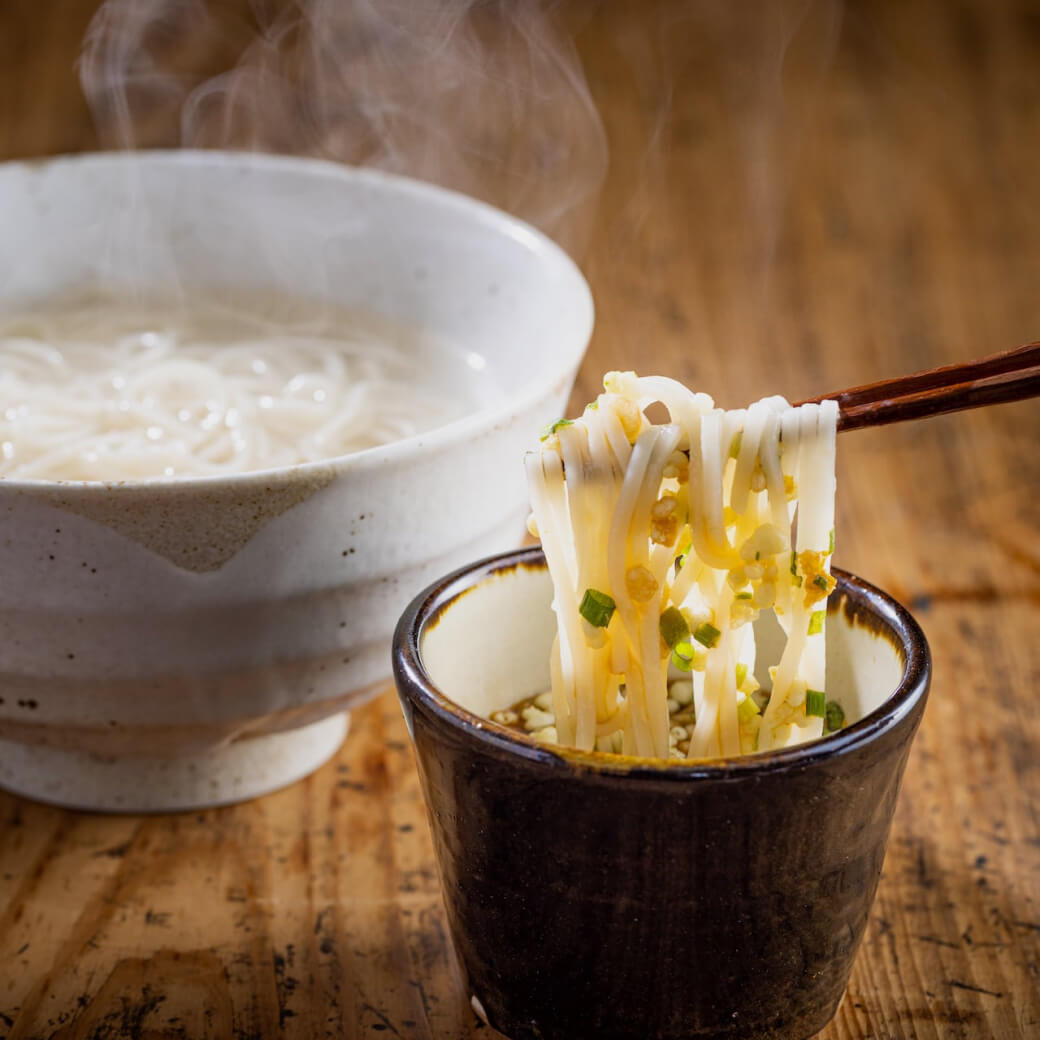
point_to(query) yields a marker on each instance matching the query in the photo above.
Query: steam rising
(487, 98)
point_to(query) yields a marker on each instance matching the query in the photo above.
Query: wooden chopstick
(1013, 375)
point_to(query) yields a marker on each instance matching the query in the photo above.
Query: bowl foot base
(234, 772)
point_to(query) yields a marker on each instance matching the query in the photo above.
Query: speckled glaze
(591, 896)
(183, 643)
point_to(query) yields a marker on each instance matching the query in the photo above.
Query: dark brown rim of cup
(862, 602)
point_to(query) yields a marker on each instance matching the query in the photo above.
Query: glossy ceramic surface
(595, 896)
(175, 644)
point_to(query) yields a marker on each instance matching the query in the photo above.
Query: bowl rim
(561, 367)
(414, 681)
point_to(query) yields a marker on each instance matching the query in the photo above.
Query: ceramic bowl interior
(488, 646)
(169, 644)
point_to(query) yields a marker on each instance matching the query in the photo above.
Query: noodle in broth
(103, 391)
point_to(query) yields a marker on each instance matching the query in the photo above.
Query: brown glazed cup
(592, 895)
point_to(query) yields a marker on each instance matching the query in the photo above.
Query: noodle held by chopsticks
(664, 543)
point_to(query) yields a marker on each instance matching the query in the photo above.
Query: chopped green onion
(673, 627)
(830, 544)
(815, 703)
(683, 548)
(741, 675)
(747, 709)
(597, 608)
(682, 656)
(734, 447)
(758, 555)
(820, 581)
(743, 595)
(834, 717)
(794, 568)
(707, 635)
(549, 430)
(816, 619)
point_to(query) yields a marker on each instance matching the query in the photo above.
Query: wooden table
(791, 206)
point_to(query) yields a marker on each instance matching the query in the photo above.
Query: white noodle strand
(751, 531)
(104, 391)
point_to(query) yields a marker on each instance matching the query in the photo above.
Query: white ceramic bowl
(192, 642)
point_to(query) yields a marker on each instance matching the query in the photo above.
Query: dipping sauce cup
(592, 895)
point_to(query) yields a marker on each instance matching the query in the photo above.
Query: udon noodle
(107, 391)
(664, 543)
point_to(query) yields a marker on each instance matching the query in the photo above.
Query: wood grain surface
(799, 198)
